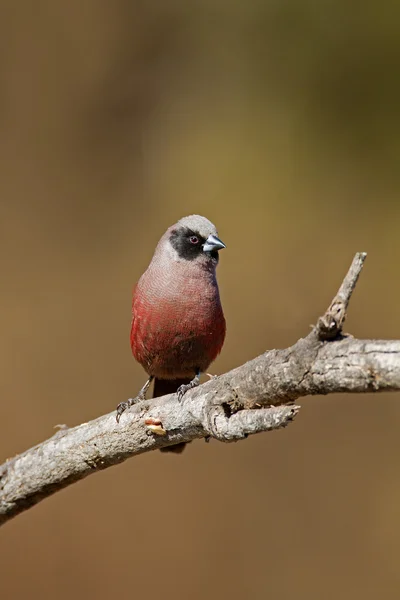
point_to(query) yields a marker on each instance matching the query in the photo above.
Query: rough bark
(257, 396)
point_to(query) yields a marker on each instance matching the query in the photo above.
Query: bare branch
(331, 323)
(254, 397)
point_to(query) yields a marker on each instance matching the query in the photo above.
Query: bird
(178, 325)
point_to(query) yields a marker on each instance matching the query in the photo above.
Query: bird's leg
(141, 396)
(182, 389)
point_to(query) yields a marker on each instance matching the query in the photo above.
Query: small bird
(178, 326)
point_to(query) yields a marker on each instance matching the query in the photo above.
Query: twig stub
(330, 325)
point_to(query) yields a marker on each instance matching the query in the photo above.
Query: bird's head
(195, 238)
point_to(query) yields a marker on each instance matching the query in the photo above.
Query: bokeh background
(279, 121)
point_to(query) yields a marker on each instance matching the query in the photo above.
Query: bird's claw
(181, 391)
(185, 387)
(123, 406)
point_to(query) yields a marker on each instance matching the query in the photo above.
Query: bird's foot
(182, 389)
(123, 406)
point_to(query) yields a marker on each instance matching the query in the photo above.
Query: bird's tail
(161, 388)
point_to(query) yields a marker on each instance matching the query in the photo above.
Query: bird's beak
(213, 243)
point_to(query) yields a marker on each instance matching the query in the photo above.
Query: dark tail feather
(169, 386)
(176, 448)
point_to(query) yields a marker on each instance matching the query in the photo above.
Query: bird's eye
(193, 239)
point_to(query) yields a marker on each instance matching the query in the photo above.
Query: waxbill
(178, 327)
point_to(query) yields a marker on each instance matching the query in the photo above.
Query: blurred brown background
(279, 121)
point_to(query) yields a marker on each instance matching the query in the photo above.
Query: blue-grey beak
(213, 243)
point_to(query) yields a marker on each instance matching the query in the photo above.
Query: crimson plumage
(178, 326)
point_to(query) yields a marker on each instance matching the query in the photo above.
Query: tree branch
(254, 397)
